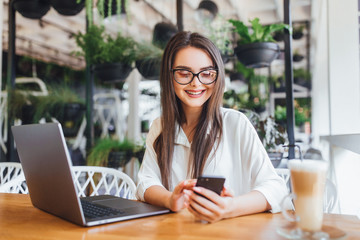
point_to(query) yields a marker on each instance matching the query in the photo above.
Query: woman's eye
(183, 73)
(208, 74)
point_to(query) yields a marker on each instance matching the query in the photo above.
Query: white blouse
(240, 158)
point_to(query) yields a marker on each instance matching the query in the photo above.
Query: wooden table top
(20, 220)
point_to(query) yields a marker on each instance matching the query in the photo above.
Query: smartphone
(213, 183)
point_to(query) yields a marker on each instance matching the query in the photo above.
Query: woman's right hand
(177, 199)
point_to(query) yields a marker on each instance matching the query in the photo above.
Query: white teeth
(194, 93)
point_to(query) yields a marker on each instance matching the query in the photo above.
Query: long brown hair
(173, 113)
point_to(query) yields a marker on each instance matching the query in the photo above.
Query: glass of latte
(308, 179)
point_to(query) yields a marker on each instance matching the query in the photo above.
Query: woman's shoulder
(230, 115)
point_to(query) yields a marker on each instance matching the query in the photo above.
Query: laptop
(47, 166)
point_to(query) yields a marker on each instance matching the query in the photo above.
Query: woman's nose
(195, 82)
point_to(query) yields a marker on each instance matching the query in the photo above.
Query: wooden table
(20, 220)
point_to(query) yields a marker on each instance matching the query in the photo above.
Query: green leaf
(259, 33)
(242, 30)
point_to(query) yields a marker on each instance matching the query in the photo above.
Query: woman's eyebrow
(182, 67)
(189, 68)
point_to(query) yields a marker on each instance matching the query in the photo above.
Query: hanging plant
(107, 8)
(34, 9)
(148, 61)
(257, 48)
(162, 33)
(219, 33)
(298, 32)
(68, 7)
(112, 57)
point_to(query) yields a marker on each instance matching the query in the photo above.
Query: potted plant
(22, 106)
(247, 73)
(68, 7)
(64, 105)
(34, 9)
(298, 32)
(111, 153)
(162, 33)
(302, 77)
(297, 57)
(258, 93)
(148, 61)
(280, 115)
(302, 113)
(219, 33)
(235, 100)
(273, 138)
(111, 57)
(256, 49)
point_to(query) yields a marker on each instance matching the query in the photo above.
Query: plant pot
(297, 35)
(279, 36)
(162, 33)
(112, 72)
(257, 55)
(298, 57)
(34, 9)
(68, 7)
(73, 114)
(302, 82)
(236, 76)
(119, 159)
(259, 109)
(149, 68)
(281, 87)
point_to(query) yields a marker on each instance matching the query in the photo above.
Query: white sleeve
(263, 175)
(149, 173)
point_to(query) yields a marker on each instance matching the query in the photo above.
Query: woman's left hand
(209, 206)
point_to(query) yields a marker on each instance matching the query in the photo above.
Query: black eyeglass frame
(195, 75)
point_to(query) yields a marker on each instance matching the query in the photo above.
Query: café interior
(303, 98)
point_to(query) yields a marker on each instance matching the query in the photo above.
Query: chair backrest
(9, 171)
(15, 185)
(108, 112)
(93, 181)
(330, 195)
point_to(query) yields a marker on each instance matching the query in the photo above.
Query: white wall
(336, 91)
(336, 84)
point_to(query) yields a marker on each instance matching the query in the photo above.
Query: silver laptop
(47, 168)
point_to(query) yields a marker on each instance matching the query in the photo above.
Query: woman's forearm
(252, 202)
(157, 195)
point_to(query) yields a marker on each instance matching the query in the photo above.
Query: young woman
(196, 136)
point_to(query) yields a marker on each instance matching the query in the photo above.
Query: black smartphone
(213, 183)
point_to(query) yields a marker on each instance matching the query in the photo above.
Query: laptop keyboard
(92, 210)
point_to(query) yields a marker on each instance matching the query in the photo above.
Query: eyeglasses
(184, 76)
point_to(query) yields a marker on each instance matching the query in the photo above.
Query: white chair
(9, 171)
(16, 185)
(93, 181)
(12, 179)
(330, 195)
(284, 173)
(107, 111)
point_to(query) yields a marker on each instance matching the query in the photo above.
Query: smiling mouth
(195, 93)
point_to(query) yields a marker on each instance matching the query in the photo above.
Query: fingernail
(197, 189)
